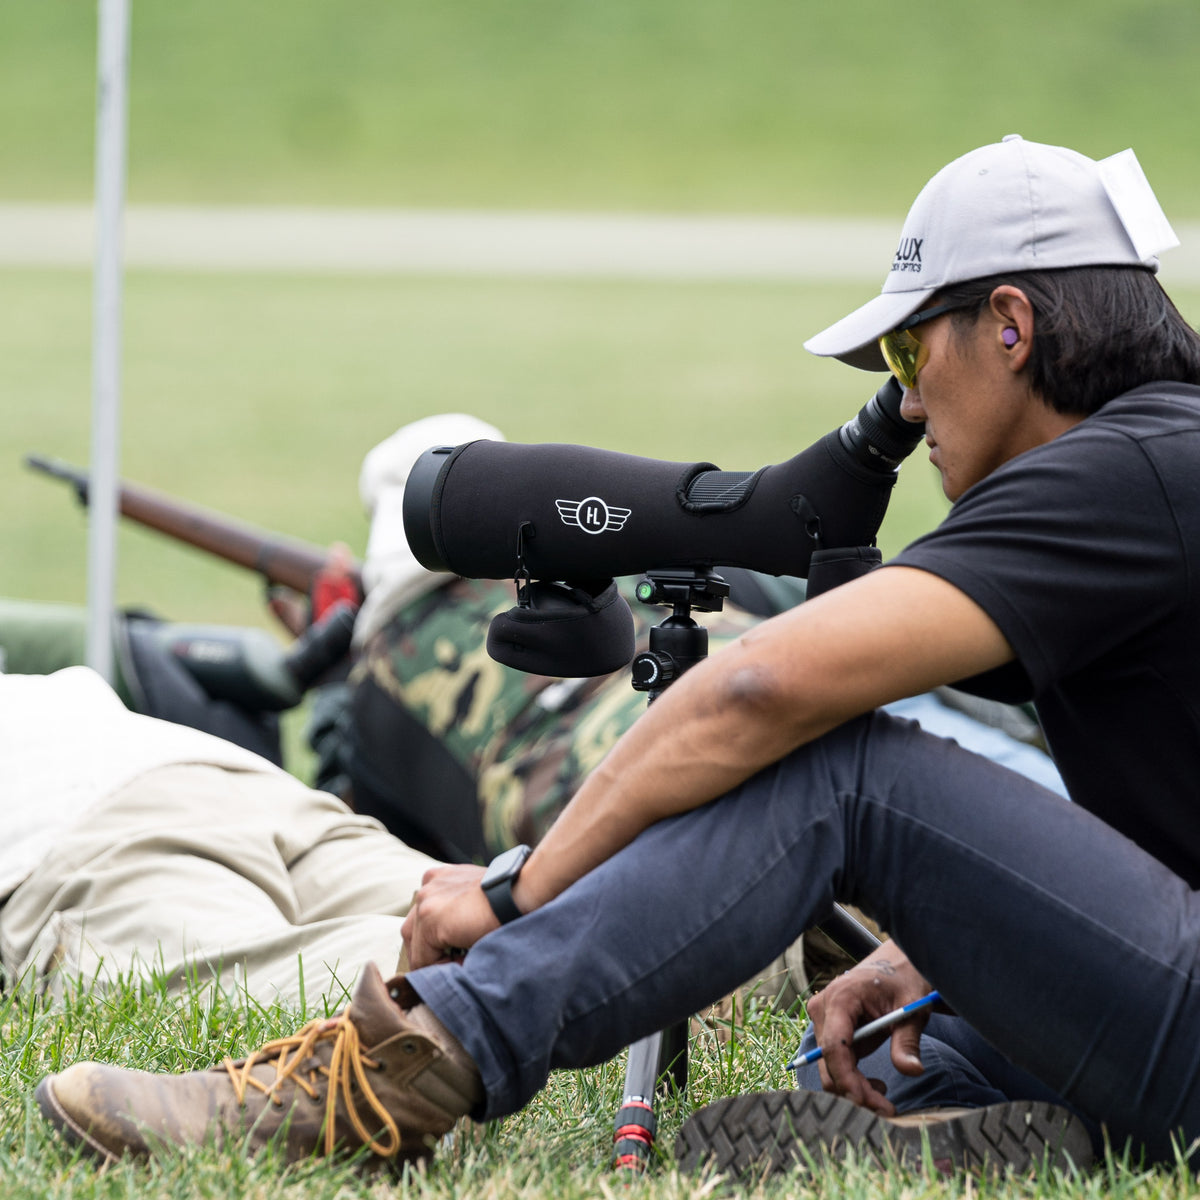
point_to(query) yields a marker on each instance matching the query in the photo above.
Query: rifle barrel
(282, 560)
(58, 469)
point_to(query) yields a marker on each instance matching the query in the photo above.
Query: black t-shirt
(1086, 553)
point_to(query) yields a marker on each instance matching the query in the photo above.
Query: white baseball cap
(1010, 206)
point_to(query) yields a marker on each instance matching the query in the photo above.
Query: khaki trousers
(197, 875)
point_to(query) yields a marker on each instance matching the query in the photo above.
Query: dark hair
(1099, 331)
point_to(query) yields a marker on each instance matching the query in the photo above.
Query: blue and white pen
(871, 1027)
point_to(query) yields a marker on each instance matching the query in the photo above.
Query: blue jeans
(1064, 945)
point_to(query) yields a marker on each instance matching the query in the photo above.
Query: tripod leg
(636, 1125)
(849, 933)
(681, 641)
(673, 1058)
(664, 1054)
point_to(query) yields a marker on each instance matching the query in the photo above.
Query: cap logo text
(908, 254)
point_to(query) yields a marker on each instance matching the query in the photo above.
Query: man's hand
(883, 981)
(449, 914)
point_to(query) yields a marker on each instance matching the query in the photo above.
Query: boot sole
(58, 1116)
(765, 1132)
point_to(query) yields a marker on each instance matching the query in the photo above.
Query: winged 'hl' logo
(592, 515)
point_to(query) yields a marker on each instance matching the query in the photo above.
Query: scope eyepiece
(877, 436)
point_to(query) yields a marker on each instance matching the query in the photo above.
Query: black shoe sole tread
(770, 1131)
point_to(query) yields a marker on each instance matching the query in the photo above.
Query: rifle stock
(280, 560)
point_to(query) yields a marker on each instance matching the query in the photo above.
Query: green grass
(740, 105)
(558, 1147)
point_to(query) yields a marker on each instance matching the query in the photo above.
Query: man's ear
(1013, 319)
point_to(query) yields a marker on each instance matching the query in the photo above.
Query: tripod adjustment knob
(652, 669)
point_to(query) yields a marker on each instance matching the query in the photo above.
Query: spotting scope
(492, 510)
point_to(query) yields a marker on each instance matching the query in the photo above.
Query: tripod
(676, 644)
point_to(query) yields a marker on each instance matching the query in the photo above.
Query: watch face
(505, 865)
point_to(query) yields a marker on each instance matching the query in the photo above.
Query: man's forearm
(710, 731)
(784, 683)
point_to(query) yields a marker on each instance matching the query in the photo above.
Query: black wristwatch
(498, 880)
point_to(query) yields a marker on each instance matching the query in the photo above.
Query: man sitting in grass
(135, 845)
(1060, 391)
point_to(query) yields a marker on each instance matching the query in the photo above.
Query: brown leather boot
(376, 1076)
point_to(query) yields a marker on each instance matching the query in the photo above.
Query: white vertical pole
(111, 122)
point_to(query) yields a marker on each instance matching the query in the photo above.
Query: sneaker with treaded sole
(765, 1132)
(384, 1074)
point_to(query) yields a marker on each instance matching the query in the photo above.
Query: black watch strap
(500, 897)
(498, 881)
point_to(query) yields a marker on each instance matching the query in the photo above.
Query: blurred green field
(259, 396)
(714, 105)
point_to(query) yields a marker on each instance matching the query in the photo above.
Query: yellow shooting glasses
(904, 352)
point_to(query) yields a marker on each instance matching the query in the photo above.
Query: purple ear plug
(1009, 337)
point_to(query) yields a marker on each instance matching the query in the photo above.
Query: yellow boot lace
(347, 1065)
